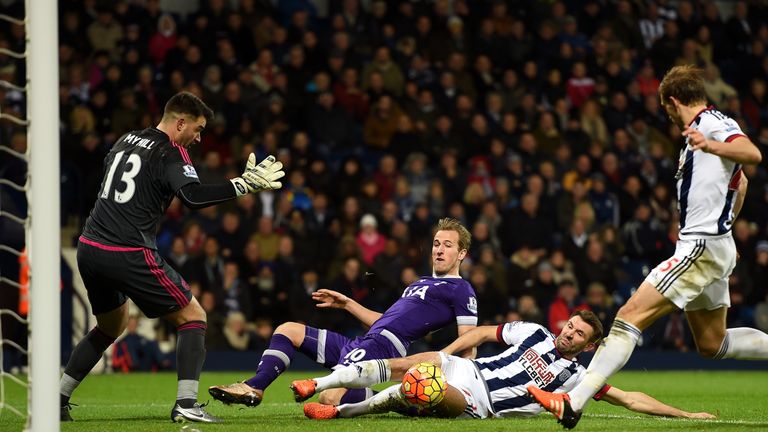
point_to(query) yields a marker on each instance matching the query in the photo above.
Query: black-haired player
(117, 253)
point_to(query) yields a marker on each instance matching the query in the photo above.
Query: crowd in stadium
(535, 123)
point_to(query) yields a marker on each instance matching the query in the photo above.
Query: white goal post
(44, 234)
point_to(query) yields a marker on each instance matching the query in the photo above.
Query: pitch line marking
(719, 421)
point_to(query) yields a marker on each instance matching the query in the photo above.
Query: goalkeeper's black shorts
(112, 274)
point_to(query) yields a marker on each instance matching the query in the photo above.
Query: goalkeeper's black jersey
(142, 173)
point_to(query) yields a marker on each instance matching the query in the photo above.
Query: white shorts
(463, 375)
(696, 276)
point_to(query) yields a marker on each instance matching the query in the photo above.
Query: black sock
(190, 355)
(84, 357)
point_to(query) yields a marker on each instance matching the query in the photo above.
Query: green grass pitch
(142, 402)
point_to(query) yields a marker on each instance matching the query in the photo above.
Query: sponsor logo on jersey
(189, 171)
(416, 291)
(536, 367)
(472, 305)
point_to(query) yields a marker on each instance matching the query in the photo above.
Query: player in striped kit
(710, 192)
(426, 305)
(491, 386)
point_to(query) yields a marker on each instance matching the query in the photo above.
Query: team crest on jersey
(564, 375)
(536, 367)
(472, 305)
(189, 171)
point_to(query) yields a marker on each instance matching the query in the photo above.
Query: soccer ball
(423, 385)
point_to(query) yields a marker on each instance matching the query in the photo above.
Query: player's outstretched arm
(740, 150)
(256, 178)
(643, 403)
(472, 339)
(333, 299)
(469, 353)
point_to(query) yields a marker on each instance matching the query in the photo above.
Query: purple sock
(355, 395)
(274, 361)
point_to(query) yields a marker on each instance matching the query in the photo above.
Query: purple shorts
(331, 349)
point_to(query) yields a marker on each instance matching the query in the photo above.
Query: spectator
(369, 240)
(328, 125)
(105, 33)
(566, 303)
(236, 333)
(233, 294)
(597, 267)
(391, 76)
(601, 303)
(717, 89)
(162, 41)
(134, 352)
(579, 86)
(526, 226)
(381, 123)
(214, 336)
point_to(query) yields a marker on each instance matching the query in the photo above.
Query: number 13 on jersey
(123, 197)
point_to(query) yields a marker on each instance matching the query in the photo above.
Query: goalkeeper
(117, 252)
(486, 387)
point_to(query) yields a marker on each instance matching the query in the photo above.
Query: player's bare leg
(453, 405)
(190, 322)
(363, 374)
(274, 361)
(390, 399)
(713, 340)
(331, 396)
(641, 310)
(89, 350)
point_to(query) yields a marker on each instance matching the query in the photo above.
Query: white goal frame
(44, 231)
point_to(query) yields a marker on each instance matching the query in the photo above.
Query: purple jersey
(427, 305)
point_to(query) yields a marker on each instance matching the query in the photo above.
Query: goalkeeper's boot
(559, 404)
(194, 414)
(320, 411)
(237, 393)
(64, 416)
(303, 389)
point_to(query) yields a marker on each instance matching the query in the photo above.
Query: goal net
(29, 222)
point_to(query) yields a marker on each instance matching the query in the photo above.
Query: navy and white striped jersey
(530, 359)
(706, 183)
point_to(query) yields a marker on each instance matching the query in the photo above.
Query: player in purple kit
(426, 305)
(117, 252)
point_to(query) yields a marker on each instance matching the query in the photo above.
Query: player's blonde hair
(684, 83)
(451, 224)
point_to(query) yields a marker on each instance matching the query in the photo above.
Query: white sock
(609, 358)
(384, 401)
(358, 375)
(67, 385)
(744, 343)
